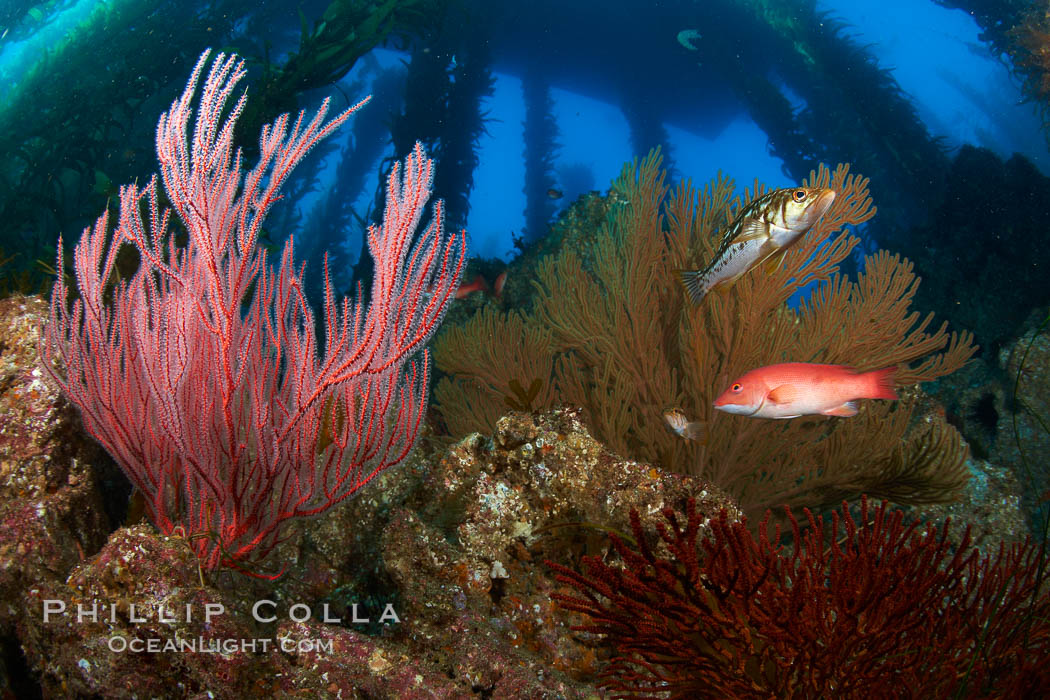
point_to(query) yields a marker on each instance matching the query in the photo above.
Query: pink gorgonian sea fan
(201, 375)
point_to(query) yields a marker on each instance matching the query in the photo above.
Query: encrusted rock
(475, 534)
(452, 544)
(991, 506)
(1023, 440)
(106, 630)
(51, 512)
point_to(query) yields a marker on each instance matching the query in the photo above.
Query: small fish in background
(478, 285)
(763, 231)
(679, 424)
(554, 193)
(794, 389)
(499, 284)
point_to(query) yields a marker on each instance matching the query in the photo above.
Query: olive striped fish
(763, 231)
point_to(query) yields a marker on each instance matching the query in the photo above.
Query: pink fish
(478, 285)
(497, 286)
(794, 389)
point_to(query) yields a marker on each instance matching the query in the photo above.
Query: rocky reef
(430, 583)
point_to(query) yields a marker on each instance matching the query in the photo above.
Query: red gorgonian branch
(879, 609)
(202, 376)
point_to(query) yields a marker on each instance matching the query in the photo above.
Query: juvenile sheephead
(761, 233)
(794, 389)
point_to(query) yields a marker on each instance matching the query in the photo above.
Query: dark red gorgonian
(882, 609)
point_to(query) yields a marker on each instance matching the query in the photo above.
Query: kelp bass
(763, 231)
